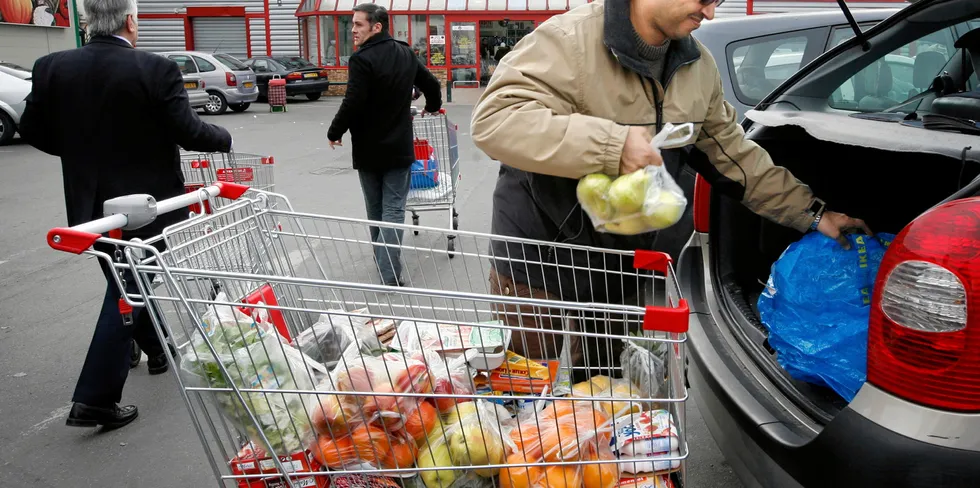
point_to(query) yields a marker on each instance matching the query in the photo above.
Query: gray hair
(108, 17)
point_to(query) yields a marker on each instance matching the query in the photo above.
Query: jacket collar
(618, 37)
(110, 40)
(375, 40)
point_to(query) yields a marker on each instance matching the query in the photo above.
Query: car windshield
(295, 62)
(231, 62)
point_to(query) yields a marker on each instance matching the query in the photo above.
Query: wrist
(816, 209)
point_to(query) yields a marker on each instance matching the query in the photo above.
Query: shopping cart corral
(435, 174)
(297, 369)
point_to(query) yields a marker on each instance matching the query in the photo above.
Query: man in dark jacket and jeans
(376, 109)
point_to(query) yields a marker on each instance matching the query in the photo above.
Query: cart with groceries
(435, 172)
(299, 371)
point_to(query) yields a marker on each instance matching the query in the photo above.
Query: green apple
(591, 192)
(626, 194)
(628, 226)
(664, 210)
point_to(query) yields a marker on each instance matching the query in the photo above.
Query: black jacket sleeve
(358, 72)
(188, 130)
(36, 121)
(430, 88)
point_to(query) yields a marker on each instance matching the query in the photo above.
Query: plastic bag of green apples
(643, 201)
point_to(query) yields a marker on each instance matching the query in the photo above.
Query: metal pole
(449, 85)
(74, 11)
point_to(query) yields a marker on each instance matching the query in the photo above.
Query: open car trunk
(887, 189)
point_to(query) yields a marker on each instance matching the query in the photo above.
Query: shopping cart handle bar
(674, 320)
(140, 210)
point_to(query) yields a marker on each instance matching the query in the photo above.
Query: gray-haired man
(135, 114)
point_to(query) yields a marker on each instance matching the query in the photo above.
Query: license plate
(311, 75)
(190, 85)
(249, 84)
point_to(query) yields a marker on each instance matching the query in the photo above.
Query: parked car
(852, 124)
(758, 52)
(229, 83)
(13, 95)
(302, 77)
(15, 70)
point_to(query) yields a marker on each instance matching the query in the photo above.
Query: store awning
(423, 6)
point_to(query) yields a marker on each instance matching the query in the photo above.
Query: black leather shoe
(158, 364)
(114, 417)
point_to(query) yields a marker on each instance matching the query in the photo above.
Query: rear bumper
(235, 96)
(849, 451)
(197, 98)
(303, 87)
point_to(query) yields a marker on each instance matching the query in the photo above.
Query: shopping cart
(202, 169)
(297, 369)
(436, 173)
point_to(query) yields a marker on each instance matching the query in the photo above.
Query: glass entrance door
(497, 38)
(464, 55)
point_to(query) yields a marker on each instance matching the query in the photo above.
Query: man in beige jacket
(583, 94)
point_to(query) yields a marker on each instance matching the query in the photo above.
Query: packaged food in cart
(652, 481)
(640, 438)
(249, 355)
(336, 330)
(627, 395)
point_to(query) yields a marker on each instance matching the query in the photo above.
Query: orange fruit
(371, 443)
(334, 454)
(564, 477)
(564, 442)
(402, 455)
(420, 422)
(521, 476)
(528, 439)
(601, 475)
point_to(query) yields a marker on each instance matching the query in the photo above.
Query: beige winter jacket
(561, 102)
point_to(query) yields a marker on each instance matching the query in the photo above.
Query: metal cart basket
(298, 370)
(436, 174)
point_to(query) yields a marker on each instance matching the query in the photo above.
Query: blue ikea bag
(425, 173)
(816, 306)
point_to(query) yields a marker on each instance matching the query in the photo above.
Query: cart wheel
(415, 221)
(451, 247)
(455, 221)
(135, 354)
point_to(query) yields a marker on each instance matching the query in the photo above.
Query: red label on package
(236, 175)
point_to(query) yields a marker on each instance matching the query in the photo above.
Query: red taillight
(924, 330)
(294, 76)
(324, 74)
(203, 84)
(702, 204)
(230, 79)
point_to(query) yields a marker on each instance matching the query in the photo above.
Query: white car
(15, 70)
(13, 95)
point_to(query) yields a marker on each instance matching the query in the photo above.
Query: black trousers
(107, 363)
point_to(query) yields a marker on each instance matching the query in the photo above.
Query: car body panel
(15, 70)
(13, 95)
(196, 94)
(210, 68)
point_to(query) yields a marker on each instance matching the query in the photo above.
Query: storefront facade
(241, 28)
(461, 41)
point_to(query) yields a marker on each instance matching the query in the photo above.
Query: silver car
(15, 70)
(229, 83)
(13, 95)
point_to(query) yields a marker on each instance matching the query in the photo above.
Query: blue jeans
(385, 193)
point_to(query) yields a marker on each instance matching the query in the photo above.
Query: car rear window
(231, 62)
(295, 62)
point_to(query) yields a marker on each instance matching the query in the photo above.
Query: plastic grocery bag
(561, 432)
(624, 393)
(643, 201)
(336, 331)
(473, 434)
(816, 306)
(255, 357)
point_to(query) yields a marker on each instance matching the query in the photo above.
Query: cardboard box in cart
(250, 462)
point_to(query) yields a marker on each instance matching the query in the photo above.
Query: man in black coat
(115, 116)
(376, 110)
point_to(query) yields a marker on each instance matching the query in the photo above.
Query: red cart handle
(144, 209)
